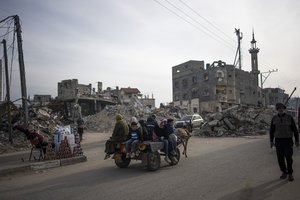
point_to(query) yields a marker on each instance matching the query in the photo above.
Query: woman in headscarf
(120, 134)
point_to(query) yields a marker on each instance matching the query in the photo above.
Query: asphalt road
(216, 169)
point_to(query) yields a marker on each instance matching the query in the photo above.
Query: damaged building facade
(129, 95)
(71, 93)
(274, 95)
(214, 87)
(134, 96)
(91, 101)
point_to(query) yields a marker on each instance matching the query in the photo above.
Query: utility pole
(7, 91)
(262, 82)
(265, 77)
(238, 51)
(22, 70)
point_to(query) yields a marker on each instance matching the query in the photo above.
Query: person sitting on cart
(151, 123)
(172, 137)
(134, 136)
(120, 133)
(161, 131)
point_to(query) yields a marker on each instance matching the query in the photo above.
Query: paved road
(216, 169)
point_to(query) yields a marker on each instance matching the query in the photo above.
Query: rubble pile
(104, 121)
(20, 144)
(237, 121)
(43, 118)
(233, 122)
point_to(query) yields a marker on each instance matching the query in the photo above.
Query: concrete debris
(233, 122)
(236, 121)
(42, 118)
(104, 121)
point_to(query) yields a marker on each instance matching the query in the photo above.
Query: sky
(135, 43)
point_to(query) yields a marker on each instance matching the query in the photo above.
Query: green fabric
(119, 117)
(121, 129)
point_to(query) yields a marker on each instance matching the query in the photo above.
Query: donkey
(184, 136)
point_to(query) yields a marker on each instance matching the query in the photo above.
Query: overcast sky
(135, 43)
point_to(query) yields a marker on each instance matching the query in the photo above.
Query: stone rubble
(237, 121)
(233, 122)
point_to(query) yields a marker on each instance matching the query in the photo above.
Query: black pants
(80, 132)
(284, 151)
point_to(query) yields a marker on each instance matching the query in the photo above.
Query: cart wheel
(121, 161)
(153, 161)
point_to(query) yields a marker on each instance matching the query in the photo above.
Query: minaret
(254, 62)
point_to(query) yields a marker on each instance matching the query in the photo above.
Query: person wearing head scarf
(121, 129)
(119, 134)
(283, 128)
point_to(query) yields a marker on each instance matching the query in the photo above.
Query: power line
(210, 32)
(206, 20)
(203, 29)
(8, 12)
(198, 28)
(9, 22)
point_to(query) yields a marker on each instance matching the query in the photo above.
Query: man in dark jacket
(150, 124)
(161, 131)
(283, 128)
(80, 126)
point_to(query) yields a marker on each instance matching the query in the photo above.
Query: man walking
(80, 126)
(283, 128)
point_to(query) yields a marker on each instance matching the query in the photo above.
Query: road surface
(216, 169)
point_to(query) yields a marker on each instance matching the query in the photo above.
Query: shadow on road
(259, 192)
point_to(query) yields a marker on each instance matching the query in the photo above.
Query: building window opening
(206, 77)
(195, 110)
(184, 83)
(194, 79)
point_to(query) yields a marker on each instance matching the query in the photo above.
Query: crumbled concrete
(234, 121)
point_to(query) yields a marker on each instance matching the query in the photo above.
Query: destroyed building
(128, 95)
(72, 93)
(42, 99)
(274, 95)
(91, 101)
(148, 101)
(217, 86)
